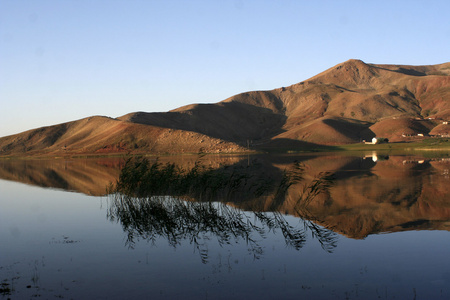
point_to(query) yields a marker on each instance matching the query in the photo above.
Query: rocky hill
(347, 103)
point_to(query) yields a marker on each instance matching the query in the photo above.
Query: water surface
(380, 231)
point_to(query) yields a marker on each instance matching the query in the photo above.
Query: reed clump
(149, 202)
(142, 178)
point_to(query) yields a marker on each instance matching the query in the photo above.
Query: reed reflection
(197, 205)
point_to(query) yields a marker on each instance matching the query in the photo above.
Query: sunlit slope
(355, 94)
(105, 135)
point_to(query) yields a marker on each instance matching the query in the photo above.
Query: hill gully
(343, 226)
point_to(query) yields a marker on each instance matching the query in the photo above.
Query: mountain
(347, 103)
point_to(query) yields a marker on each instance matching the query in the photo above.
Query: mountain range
(348, 103)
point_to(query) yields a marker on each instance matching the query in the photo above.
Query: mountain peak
(352, 73)
(353, 64)
(354, 61)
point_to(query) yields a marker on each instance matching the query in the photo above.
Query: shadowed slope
(330, 130)
(229, 120)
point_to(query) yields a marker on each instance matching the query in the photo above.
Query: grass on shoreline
(436, 144)
(428, 144)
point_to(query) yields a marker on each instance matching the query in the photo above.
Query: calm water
(381, 231)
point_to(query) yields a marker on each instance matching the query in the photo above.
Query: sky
(64, 60)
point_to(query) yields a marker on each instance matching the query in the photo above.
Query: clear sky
(63, 60)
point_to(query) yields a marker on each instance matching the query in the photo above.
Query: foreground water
(381, 231)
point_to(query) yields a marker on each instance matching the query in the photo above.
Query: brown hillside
(441, 129)
(102, 135)
(347, 103)
(402, 128)
(329, 130)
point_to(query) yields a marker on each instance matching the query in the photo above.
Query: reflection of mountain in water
(387, 197)
(88, 176)
(368, 196)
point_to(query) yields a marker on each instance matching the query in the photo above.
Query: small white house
(375, 140)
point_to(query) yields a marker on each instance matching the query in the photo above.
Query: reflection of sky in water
(61, 243)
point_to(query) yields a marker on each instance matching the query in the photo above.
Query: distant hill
(347, 103)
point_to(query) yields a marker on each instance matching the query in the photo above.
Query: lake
(379, 230)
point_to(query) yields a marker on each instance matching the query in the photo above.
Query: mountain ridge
(346, 103)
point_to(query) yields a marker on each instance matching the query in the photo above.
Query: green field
(431, 144)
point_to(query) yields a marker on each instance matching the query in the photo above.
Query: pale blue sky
(65, 60)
